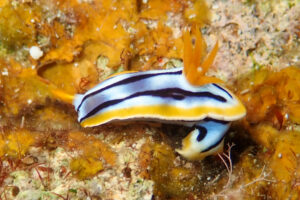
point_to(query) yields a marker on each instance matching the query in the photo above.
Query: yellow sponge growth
(91, 151)
(85, 167)
(171, 181)
(16, 144)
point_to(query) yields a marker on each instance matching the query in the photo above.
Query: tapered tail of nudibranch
(58, 93)
(63, 96)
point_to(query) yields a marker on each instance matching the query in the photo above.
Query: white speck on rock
(35, 52)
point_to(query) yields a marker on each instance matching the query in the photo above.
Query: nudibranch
(176, 96)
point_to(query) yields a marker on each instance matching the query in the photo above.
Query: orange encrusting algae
(272, 100)
(271, 96)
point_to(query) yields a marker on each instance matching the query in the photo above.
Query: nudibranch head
(206, 139)
(208, 136)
